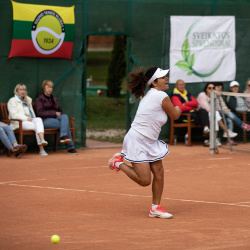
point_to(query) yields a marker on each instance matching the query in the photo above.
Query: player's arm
(168, 107)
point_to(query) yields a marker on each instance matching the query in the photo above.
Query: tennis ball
(55, 239)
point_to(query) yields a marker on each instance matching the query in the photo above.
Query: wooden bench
(20, 132)
(189, 125)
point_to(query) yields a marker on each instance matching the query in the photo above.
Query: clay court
(91, 207)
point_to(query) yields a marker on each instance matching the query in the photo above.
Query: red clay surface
(91, 207)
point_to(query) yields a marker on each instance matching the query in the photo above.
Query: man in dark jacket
(48, 108)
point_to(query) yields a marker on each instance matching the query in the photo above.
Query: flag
(202, 48)
(42, 31)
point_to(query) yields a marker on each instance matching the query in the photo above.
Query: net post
(224, 120)
(212, 124)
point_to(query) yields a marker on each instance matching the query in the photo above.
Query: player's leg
(158, 181)
(139, 172)
(156, 210)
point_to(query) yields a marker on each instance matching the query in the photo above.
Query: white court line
(130, 195)
(7, 182)
(243, 202)
(209, 159)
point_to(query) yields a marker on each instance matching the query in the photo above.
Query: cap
(158, 73)
(234, 83)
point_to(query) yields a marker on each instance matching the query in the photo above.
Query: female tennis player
(141, 146)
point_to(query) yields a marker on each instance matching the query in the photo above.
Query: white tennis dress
(141, 143)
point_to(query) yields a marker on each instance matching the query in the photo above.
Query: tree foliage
(116, 68)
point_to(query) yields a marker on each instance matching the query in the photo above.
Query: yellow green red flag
(42, 31)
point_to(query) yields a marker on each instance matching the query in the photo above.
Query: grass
(105, 116)
(97, 67)
(105, 113)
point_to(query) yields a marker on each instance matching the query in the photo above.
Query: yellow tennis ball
(55, 239)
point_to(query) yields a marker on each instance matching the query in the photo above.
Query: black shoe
(72, 151)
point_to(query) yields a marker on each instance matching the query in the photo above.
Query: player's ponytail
(138, 81)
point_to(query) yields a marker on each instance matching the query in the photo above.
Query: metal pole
(212, 124)
(224, 120)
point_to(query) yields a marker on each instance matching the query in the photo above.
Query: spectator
(204, 102)
(8, 139)
(20, 107)
(188, 104)
(247, 99)
(48, 108)
(237, 103)
(230, 116)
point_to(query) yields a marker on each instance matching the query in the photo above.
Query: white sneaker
(42, 143)
(43, 153)
(217, 142)
(231, 134)
(159, 212)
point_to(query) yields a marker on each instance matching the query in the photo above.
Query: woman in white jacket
(20, 107)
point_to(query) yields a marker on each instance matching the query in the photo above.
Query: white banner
(202, 48)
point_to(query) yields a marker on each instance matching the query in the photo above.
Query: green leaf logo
(183, 65)
(188, 62)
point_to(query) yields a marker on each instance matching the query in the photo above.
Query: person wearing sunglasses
(204, 102)
(247, 90)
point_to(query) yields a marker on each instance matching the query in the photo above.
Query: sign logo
(202, 48)
(206, 40)
(48, 32)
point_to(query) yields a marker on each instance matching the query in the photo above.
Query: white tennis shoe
(159, 212)
(231, 134)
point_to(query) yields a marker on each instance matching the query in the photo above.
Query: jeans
(7, 136)
(230, 118)
(62, 123)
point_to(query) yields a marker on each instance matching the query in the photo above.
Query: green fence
(147, 27)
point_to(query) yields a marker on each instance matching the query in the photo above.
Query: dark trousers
(198, 117)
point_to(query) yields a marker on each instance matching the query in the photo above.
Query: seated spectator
(20, 107)
(48, 108)
(229, 116)
(247, 99)
(237, 103)
(204, 102)
(188, 104)
(8, 139)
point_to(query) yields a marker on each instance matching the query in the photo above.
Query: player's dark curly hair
(138, 81)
